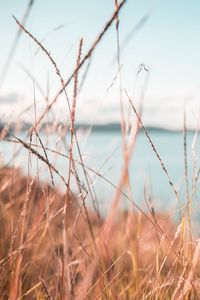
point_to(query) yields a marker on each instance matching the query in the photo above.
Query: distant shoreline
(110, 127)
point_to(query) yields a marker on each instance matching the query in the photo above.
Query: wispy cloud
(9, 98)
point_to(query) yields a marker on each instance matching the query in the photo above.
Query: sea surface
(102, 152)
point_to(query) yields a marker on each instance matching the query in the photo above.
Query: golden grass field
(53, 246)
(124, 258)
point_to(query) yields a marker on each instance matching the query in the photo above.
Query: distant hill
(111, 127)
(116, 127)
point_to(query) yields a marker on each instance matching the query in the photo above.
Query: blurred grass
(52, 246)
(136, 262)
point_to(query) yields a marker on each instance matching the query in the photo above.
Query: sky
(167, 42)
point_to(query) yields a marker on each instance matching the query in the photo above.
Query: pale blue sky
(168, 44)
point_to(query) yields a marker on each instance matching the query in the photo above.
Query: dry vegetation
(131, 260)
(52, 246)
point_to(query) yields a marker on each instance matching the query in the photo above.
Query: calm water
(102, 152)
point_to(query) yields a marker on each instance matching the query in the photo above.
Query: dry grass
(52, 246)
(137, 262)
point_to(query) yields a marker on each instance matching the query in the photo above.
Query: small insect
(142, 67)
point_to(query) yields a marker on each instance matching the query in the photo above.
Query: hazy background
(165, 37)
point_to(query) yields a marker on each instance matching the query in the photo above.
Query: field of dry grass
(128, 259)
(53, 246)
